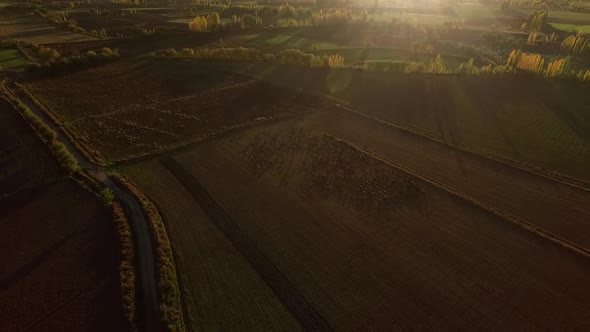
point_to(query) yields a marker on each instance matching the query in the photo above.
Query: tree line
(289, 56)
(517, 62)
(49, 57)
(282, 16)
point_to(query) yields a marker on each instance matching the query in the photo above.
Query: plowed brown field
(24, 160)
(222, 290)
(368, 242)
(59, 268)
(556, 207)
(128, 108)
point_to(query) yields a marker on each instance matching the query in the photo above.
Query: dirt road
(149, 311)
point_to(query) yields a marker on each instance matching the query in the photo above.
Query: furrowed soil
(129, 109)
(361, 244)
(556, 207)
(544, 123)
(25, 162)
(221, 291)
(59, 262)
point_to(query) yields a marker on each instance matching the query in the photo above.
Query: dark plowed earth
(424, 257)
(149, 310)
(556, 207)
(291, 298)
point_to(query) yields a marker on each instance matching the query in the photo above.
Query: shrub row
(126, 268)
(168, 287)
(63, 155)
(90, 153)
(127, 251)
(288, 56)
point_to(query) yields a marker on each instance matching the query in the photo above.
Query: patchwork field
(346, 197)
(580, 28)
(557, 208)
(127, 109)
(543, 123)
(356, 241)
(36, 30)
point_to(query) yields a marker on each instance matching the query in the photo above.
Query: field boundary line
(309, 318)
(90, 154)
(531, 169)
(176, 148)
(525, 225)
(215, 90)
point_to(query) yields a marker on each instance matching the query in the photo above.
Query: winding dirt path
(149, 309)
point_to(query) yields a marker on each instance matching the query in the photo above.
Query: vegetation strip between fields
(70, 161)
(91, 154)
(490, 209)
(294, 301)
(59, 150)
(215, 135)
(168, 288)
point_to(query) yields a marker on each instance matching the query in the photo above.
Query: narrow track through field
(309, 318)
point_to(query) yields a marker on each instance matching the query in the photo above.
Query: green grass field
(472, 11)
(12, 58)
(571, 16)
(572, 27)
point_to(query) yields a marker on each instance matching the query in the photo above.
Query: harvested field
(553, 206)
(128, 109)
(366, 245)
(122, 21)
(57, 272)
(544, 124)
(25, 162)
(219, 283)
(36, 30)
(540, 122)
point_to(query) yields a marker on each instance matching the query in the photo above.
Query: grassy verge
(127, 278)
(63, 155)
(126, 268)
(91, 154)
(168, 288)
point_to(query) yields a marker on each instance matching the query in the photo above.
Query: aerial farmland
(317, 165)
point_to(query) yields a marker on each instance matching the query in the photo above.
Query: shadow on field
(26, 269)
(490, 103)
(294, 301)
(565, 109)
(444, 115)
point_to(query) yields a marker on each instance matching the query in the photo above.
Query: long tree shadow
(444, 116)
(490, 102)
(573, 109)
(39, 259)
